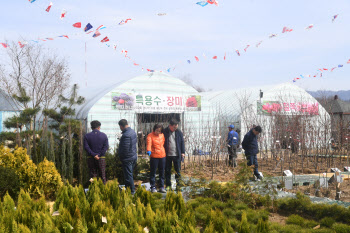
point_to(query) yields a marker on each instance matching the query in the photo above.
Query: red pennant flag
(215, 57)
(245, 50)
(4, 45)
(135, 64)
(77, 25)
(325, 69)
(105, 39)
(348, 62)
(197, 59)
(225, 57)
(66, 36)
(63, 14)
(20, 44)
(49, 7)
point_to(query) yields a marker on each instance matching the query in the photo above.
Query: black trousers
(170, 160)
(232, 155)
(157, 163)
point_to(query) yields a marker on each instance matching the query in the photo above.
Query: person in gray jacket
(175, 151)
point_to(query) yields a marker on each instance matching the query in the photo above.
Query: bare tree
(35, 73)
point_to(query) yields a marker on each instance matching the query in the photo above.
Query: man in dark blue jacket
(175, 151)
(127, 153)
(232, 141)
(250, 145)
(96, 146)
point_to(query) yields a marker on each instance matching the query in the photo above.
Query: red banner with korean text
(287, 108)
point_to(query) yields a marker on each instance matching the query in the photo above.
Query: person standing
(127, 153)
(96, 146)
(155, 149)
(250, 145)
(232, 142)
(175, 151)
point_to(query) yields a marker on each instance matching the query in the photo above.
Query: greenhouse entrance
(145, 123)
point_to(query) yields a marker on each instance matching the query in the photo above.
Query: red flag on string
(49, 7)
(77, 25)
(63, 14)
(197, 59)
(215, 57)
(20, 44)
(105, 39)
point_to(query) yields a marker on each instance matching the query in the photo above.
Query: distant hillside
(343, 95)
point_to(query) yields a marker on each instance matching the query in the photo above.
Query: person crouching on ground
(250, 145)
(155, 149)
(175, 151)
(127, 153)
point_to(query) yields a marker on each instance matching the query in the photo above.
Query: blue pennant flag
(88, 27)
(202, 3)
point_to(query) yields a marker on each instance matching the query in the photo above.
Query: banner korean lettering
(143, 102)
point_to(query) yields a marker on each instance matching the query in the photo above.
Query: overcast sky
(188, 30)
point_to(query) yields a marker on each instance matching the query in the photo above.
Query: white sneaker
(153, 190)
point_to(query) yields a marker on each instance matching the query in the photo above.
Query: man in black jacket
(127, 153)
(175, 151)
(250, 145)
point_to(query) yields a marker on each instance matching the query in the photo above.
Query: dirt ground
(324, 192)
(275, 217)
(274, 167)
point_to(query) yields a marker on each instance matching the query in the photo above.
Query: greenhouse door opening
(145, 123)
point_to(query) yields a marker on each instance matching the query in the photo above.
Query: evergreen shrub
(9, 183)
(341, 228)
(327, 222)
(39, 180)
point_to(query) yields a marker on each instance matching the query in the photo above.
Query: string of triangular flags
(257, 44)
(204, 3)
(97, 33)
(319, 72)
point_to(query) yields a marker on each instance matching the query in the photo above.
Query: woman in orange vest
(155, 149)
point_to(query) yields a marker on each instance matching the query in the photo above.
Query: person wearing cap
(250, 145)
(232, 141)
